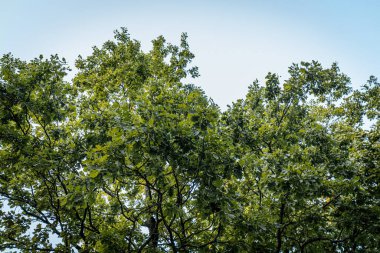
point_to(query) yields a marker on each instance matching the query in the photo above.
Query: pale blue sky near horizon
(234, 42)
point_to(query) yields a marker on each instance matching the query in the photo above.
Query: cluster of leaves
(127, 158)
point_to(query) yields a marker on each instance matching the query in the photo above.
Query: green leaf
(94, 173)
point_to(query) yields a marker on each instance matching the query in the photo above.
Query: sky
(234, 42)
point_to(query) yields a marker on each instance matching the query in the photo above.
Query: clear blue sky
(234, 42)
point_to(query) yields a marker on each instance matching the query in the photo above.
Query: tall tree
(129, 158)
(303, 183)
(124, 159)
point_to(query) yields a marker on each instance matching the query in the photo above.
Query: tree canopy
(127, 157)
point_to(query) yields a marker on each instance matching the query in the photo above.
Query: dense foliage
(128, 158)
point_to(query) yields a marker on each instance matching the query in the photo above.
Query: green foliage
(128, 158)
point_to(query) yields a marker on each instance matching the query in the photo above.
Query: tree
(128, 158)
(304, 185)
